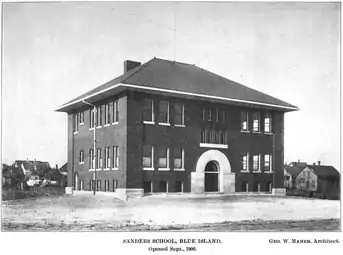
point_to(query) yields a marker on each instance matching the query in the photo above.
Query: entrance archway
(76, 181)
(212, 177)
(213, 173)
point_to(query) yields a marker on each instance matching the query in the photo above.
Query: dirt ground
(171, 212)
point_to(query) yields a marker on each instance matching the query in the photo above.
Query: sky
(53, 52)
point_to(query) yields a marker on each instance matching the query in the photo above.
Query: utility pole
(94, 144)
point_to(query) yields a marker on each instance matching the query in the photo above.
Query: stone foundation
(69, 190)
(279, 192)
(229, 181)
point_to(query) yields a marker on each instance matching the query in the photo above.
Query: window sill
(179, 169)
(99, 127)
(81, 163)
(163, 124)
(91, 170)
(213, 145)
(98, 169)
(149, 122)
(148, 168)
(80, 124)
(115, 168)
(75, 132)
(106, 169)
(107, 125)
(257, 172)
(245, 131)
(164, 169)
(115, 123)
(245, 171)
(268, 172)
(91, 129)
(256, 132)
(267, 133)
(179, 125)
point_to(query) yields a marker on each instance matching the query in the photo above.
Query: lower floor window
(107, 185)
(81, 185)
(148, 186)
(115, 185)
(269, 186)
(257, 187)
(244, 187)
(178, 186)
(98, 185)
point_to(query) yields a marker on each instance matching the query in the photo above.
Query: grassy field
(172, 213)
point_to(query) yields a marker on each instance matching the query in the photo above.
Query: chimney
(314, 164)
(318, 163)
(56, 166)
(298, 160)
(129, 65)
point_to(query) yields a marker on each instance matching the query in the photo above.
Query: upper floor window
(256, 163)
(108, 108)
(203, 113)
(267, 163)
(148, 111)
(81, 118)
(217, 115)
(268, 123)
(256, 122)
(115, 157)
(82, 157)
(203, 137)
(179, 112)
(76, 122)
(209, 114)
(163, 158)
(91, 159)
(179, 158)
(163, 116)
(107, 161)
(245, 163)
(244, 121)
(223, 116)
(148, 157)
(91, 117)
(116, 111)
(99, 116)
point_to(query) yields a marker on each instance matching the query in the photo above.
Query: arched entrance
(211, 177)
(76, 181)
(213, 173)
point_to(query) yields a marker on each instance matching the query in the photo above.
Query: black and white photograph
(171, 117)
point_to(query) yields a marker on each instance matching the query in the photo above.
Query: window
(179, 158)
(81, 117)
(99, 116)
(245, 163)
(91, 186)
(114, 185)
(256, 163)
(203, 113)
(107, 161)
(163, 186)
(91, 117)
(148, 157)
(203, 137)
(82, 157)
(209, 136)
(268, 123)
(178, 186)
(217, 139)
(269, 186)
(115, 157)
(91, 159)
(267, 163)
(99, 159)
(244, 187)
(256, 122)
(244, 121)
(217, 115)
(108, 113)
(116, 111)
(163, 116)
(209, 114)
(148, 111)
(163, 158)
(81, 185)
(223, 116)
(257, 187)
(223, 138)
(179, 114)
(98, 185)
(107, 185)
(148, 186)
(76, 123)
